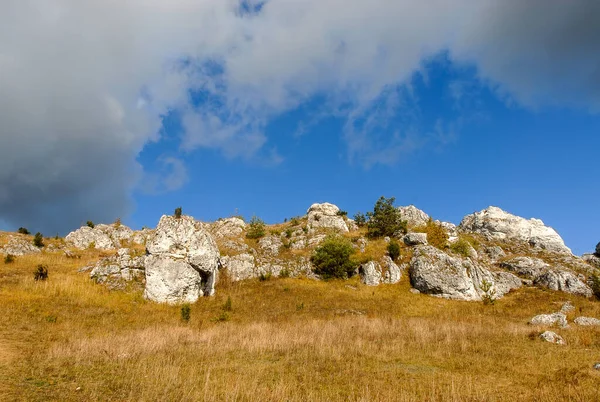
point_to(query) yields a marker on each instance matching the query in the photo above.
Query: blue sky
(264, 107)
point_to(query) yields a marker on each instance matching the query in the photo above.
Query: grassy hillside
(68, 339)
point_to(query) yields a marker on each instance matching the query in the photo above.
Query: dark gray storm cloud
(83, 84)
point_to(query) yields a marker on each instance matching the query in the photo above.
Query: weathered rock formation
(552, 337)
(413, 216)
(100, 236)
(182, 261)
(326, 215)
(115, 271)
(18, 246)
(559, 319)
(374, 273)
(496, 224)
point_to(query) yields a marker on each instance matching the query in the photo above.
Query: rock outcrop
(227, 228)
(552, 337)
(549, 320)
(439, 274)
(496, 224)
(182, 262)
(374, 273)
(587, 321)
(101, 236)
(19, 246)
(115, 271)
(413, 216)
(415, 239)
(326, 215)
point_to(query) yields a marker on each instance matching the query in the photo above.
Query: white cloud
(83, 84)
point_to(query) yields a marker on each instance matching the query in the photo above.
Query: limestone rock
(415, 239)
(528, 267)
(559, 319)
(564, 281)
(142, 236)
(19, 246)
(115, 271)
(227, 228)
(183, 261)
(592, 259)
(391, 272)
(496, 224)
(495, 253)
(413, 216)
(567, 307)
(451, 228)
(270, 244)
(101, 236)
(436, 273)
(240, 267)
(587, 321)
(370, 273)
(326, 216)
(552, 337)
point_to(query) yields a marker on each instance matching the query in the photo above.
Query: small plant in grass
(256, 228)
(462, 247)
(295, 221)
(393, 249)
(342, 213)
(9, 259)
(178, 212)
(223, 317)
(284, 273)
(186, 312)
(288, 232)
(595, 285)
(23, 231)
(90, 224)
(263, 277)
(40, 273)
(227, 306)
(305, 229)
(300, 306)
(92, 245)
(38, 240)
(489, 294)
(332, 258)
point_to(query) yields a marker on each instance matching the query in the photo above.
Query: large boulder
(101, 236)
(436, 273)
(559, 319)
(415, 239)
(227, 228)
(117, 270)
(413, 216)
(326, 216)
(182, 262)
(374, 273)
(19, 245)
(496, 224)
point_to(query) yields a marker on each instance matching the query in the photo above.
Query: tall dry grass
(68, 339)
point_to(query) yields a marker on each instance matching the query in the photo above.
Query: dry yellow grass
(69, 339)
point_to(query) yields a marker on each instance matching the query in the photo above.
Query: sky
(113, 109)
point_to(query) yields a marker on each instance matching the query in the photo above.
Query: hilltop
(457, 312)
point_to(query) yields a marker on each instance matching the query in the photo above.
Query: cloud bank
(84, 85)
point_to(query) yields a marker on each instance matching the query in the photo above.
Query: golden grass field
(68, 339)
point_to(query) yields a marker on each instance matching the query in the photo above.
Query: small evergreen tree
(23, 231)
(90, 224)
(256, 228)
(332, 258)
(186, 312)
(38, 240)
(360, 219)
(385, 220)
(9, 259)
(178, 212)
(393, 249)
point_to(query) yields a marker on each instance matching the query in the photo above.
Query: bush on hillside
(462, 247)
(90, 224)
(38, 240)
(256, 228)
(393, 249)
(385, 220)
(186, 312)
(595, 285)
(436, 234)
(360, 219)
(333, 258)
(9, 259)
(23, 231)
(178, 212)
(40, 273)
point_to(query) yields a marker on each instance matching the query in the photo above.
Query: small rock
(387, 239)
(559, 319)
(552, 337)
(597, 366)
(415, 239)
(415, 291)
(587, 321)
(568, 306)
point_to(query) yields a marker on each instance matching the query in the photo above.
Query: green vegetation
(393, 249)
(360, 219)
(40, 273)
(385, 220)
(9, 259)
(595, 285)
(461, 247)
(341, 213)
(23, 231)
(186, 312)
(489, 295)
(178, 212)
(436, 234)
(90, 224)
(38, 240)
(332, 258)
(256, 228)
(228, 305)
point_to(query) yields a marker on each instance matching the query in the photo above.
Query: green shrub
(332, 258)
(393, 249)
(265, 277)
(385, 220)
(23, 231)
(360, 219)
(186, 312)
(288, 232)
(256, 228)
(341, 213)
(295, 221)
(462, 247)
(224, 316)
(595, 285)
(178, 212)
(40, 273)
(489, 295)
(9, 259)
(90, 224)
(284, 273)
(38, 240)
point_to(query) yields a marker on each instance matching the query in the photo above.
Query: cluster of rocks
(560, 319)
(18, 245)
(182, 256)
